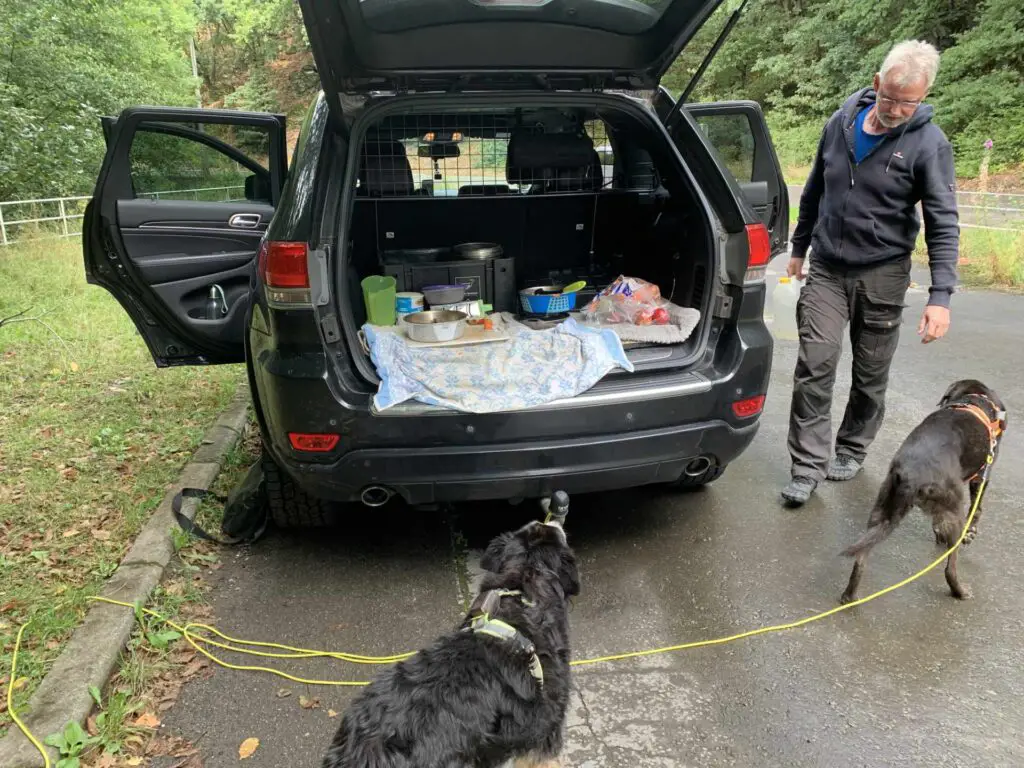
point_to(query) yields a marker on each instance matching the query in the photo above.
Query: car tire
(708, 476)
(290, 506)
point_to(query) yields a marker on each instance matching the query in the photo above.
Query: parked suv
(443, 122)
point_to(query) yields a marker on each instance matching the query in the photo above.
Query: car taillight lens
(283, 265)
(752, 406)
(313, 442)
(759, 249)
(284, 270)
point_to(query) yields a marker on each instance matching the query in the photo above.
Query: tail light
(752, 406)
(759, 252)
(313, 442)
(284, 270)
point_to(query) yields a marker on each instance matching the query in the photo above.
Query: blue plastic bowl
(546, 303)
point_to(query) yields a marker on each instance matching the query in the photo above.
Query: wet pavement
(913, 679)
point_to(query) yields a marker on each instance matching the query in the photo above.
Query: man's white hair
(910, 61)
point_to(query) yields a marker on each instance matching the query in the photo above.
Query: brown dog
(940, 460)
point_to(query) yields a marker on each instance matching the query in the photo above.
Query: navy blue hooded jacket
(862, 214)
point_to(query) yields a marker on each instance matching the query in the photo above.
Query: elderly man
(879, 156)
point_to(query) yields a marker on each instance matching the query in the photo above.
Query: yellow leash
(197, 635)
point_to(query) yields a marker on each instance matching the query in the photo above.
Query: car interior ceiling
(557, 213)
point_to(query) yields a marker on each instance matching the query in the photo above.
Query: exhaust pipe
(376, 495)
(698, 466)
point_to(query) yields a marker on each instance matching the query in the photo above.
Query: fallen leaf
(101, 535)
(331, 713)
(147, 720)
(283, 693)
(90, 726)
(20, 683)
(308, 703)
(133, 761)
(248, 748)
(69, 533)
(74, 366)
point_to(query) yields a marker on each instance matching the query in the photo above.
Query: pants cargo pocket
(880, 332)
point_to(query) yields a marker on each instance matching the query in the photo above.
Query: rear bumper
(524, 470)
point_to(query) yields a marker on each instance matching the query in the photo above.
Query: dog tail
(875, 534)
(895, 498)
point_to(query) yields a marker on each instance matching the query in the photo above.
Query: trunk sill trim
(693, 384)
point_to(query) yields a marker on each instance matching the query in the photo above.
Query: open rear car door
(181, 204)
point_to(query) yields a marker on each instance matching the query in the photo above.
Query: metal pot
(478, 251)
(435, 325)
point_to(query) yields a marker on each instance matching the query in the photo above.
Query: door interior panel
(173, 262)
(187, 300)
(182, 249)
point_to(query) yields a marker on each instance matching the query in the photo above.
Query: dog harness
(483, 624)
(985, 411)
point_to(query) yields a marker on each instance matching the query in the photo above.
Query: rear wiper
(688, 91)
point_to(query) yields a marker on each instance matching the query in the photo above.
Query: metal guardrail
(58, 216)
(1000, 211)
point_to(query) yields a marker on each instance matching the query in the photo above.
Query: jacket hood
(865, 97)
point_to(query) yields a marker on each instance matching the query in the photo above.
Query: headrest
(384, 170)
(566, 160)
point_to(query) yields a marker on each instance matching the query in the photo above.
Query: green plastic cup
(379, 297)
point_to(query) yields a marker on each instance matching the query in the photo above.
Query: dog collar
(482, 624)
(985, 411)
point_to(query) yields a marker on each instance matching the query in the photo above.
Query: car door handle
(245, 220)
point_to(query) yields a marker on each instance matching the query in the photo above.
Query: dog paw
(846, 598)
(972, 534)
(964, 593)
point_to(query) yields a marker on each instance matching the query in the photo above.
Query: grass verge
(92, 433)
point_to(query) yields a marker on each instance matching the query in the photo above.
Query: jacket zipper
(853, 182)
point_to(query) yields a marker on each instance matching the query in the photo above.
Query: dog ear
(953, 392)
(501, 549)
(569, 575)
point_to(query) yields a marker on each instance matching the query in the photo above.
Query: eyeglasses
(897, 103)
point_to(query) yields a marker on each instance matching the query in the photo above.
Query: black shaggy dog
(934, 468)
(495, 689)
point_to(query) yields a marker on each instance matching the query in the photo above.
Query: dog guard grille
(474, 155)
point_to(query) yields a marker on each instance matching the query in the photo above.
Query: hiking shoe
(799, 491)
(842, 468)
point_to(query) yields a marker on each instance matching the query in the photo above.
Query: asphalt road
(913, 679)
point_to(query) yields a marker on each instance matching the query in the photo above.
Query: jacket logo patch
(898, 155)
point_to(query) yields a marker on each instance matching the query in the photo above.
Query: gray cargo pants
(871, 300)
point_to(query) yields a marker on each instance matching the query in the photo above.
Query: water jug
(784, 298)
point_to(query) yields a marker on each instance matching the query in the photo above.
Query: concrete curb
(91, 655)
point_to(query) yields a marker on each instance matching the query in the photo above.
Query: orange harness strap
(994, 427)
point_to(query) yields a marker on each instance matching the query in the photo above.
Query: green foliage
(63, 64)
(801, 58)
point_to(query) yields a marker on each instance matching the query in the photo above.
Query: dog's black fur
(469, 700)
(931, 470)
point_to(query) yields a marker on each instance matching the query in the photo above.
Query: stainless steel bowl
(478, 251)
(435, 325)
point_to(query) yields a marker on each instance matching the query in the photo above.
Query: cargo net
(473, 155)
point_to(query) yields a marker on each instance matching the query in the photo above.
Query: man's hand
(795, 268)
(934, 323)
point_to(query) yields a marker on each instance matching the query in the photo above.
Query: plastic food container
(443, 294)
(408, 301)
